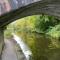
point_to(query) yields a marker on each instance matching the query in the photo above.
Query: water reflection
(42, 47)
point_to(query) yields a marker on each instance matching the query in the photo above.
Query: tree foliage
(37, 23)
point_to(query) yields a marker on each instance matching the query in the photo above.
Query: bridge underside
(50, 7)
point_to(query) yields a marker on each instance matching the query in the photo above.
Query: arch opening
(40, 33)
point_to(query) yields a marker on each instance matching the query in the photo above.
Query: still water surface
(42, 46)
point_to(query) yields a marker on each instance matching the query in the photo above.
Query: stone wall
(1, 41)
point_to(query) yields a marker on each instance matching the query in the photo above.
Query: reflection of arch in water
(50, 7)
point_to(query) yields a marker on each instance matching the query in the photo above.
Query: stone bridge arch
(50, 7)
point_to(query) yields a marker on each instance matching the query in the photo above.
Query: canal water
(43, 47)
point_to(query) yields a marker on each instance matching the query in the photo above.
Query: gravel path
(9, 51)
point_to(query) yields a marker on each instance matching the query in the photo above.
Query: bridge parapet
(9, 5)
